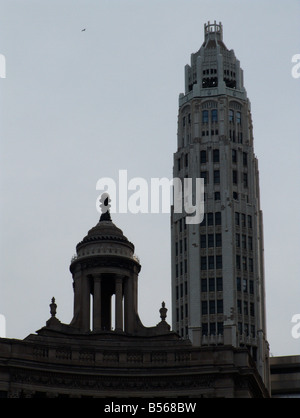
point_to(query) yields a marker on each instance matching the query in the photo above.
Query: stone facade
(218, 286)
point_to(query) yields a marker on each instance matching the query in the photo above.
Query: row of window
(211, 307)
(182, 312)
(211, 219)
(181, 268)
(245, 308)
(212, 115)
(211, 262)
(216, 177)
(242, 220)
(244, 263)
(210, 240)
(216, 328)
(181, 290)
(211, 284)
(241, 241)
(245, 285)
(184, 162)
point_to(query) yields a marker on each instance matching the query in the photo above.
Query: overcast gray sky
(77, 105)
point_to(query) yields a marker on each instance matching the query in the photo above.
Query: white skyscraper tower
(218, 287)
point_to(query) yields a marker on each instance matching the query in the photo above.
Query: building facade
(218, 287)
(99, 356)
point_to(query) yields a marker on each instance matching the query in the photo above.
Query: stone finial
(163, 311)
(53, 307)
(105, 206)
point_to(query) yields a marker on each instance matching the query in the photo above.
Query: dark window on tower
(216, 155)
(251, 287)
(212, 307)
(219, 284)
(231, 115)
(186, 160)
(245, 287)
(211, 284)
(211, 262)
(238, 284)
(218, 261)
(249, 221)
(204, 329)
(203, 241)
(239, 307)
(237, 218)
(210, 240)
(234, 177)
(245, 180)
(210, 218)
(178, 164)
(214, 115)
(212, 328)
(218, 218)
(216, 176)
(243, 220)
(238, 262)
(203, 263)
(217, 196)
(219, 306)
(244, 263)
(203, 285)
(203, 157)
(204, 307)
(205, 116)
(238, 118)
(234, 156)
(218, 240)
(250, 246)
(203, 175)
(237, 240)
(244, 159)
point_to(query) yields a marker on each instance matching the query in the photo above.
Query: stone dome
(105, 238)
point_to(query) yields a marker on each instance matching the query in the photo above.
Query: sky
(77, 106)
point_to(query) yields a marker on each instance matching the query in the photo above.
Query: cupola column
(97, 303)
(119, 304)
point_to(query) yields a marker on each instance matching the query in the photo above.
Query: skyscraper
(218, 287)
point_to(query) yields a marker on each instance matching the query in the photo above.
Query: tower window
(216, 176)
(217, 196)
(234, 177)
(204, 329)
(245, 180)
(231, 115)
(237, 240)
(238, 118)
(203, 285)
(204, 116)
(211, 262)
(186, 160)
(211, 284)
(203, 241)
(216, 156)
(203, 175)
(210, 240)
(218, 240)
(237, 218)
(219, 306)
(203, 263)
(234, 156)
(219, 284)
(218, 261)
(214, 115)
(238, 284)
(249, 221)
(218, 218)
(204, 307)
(245, 159)
(203, 157)
(210, 218)
(212, 307)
